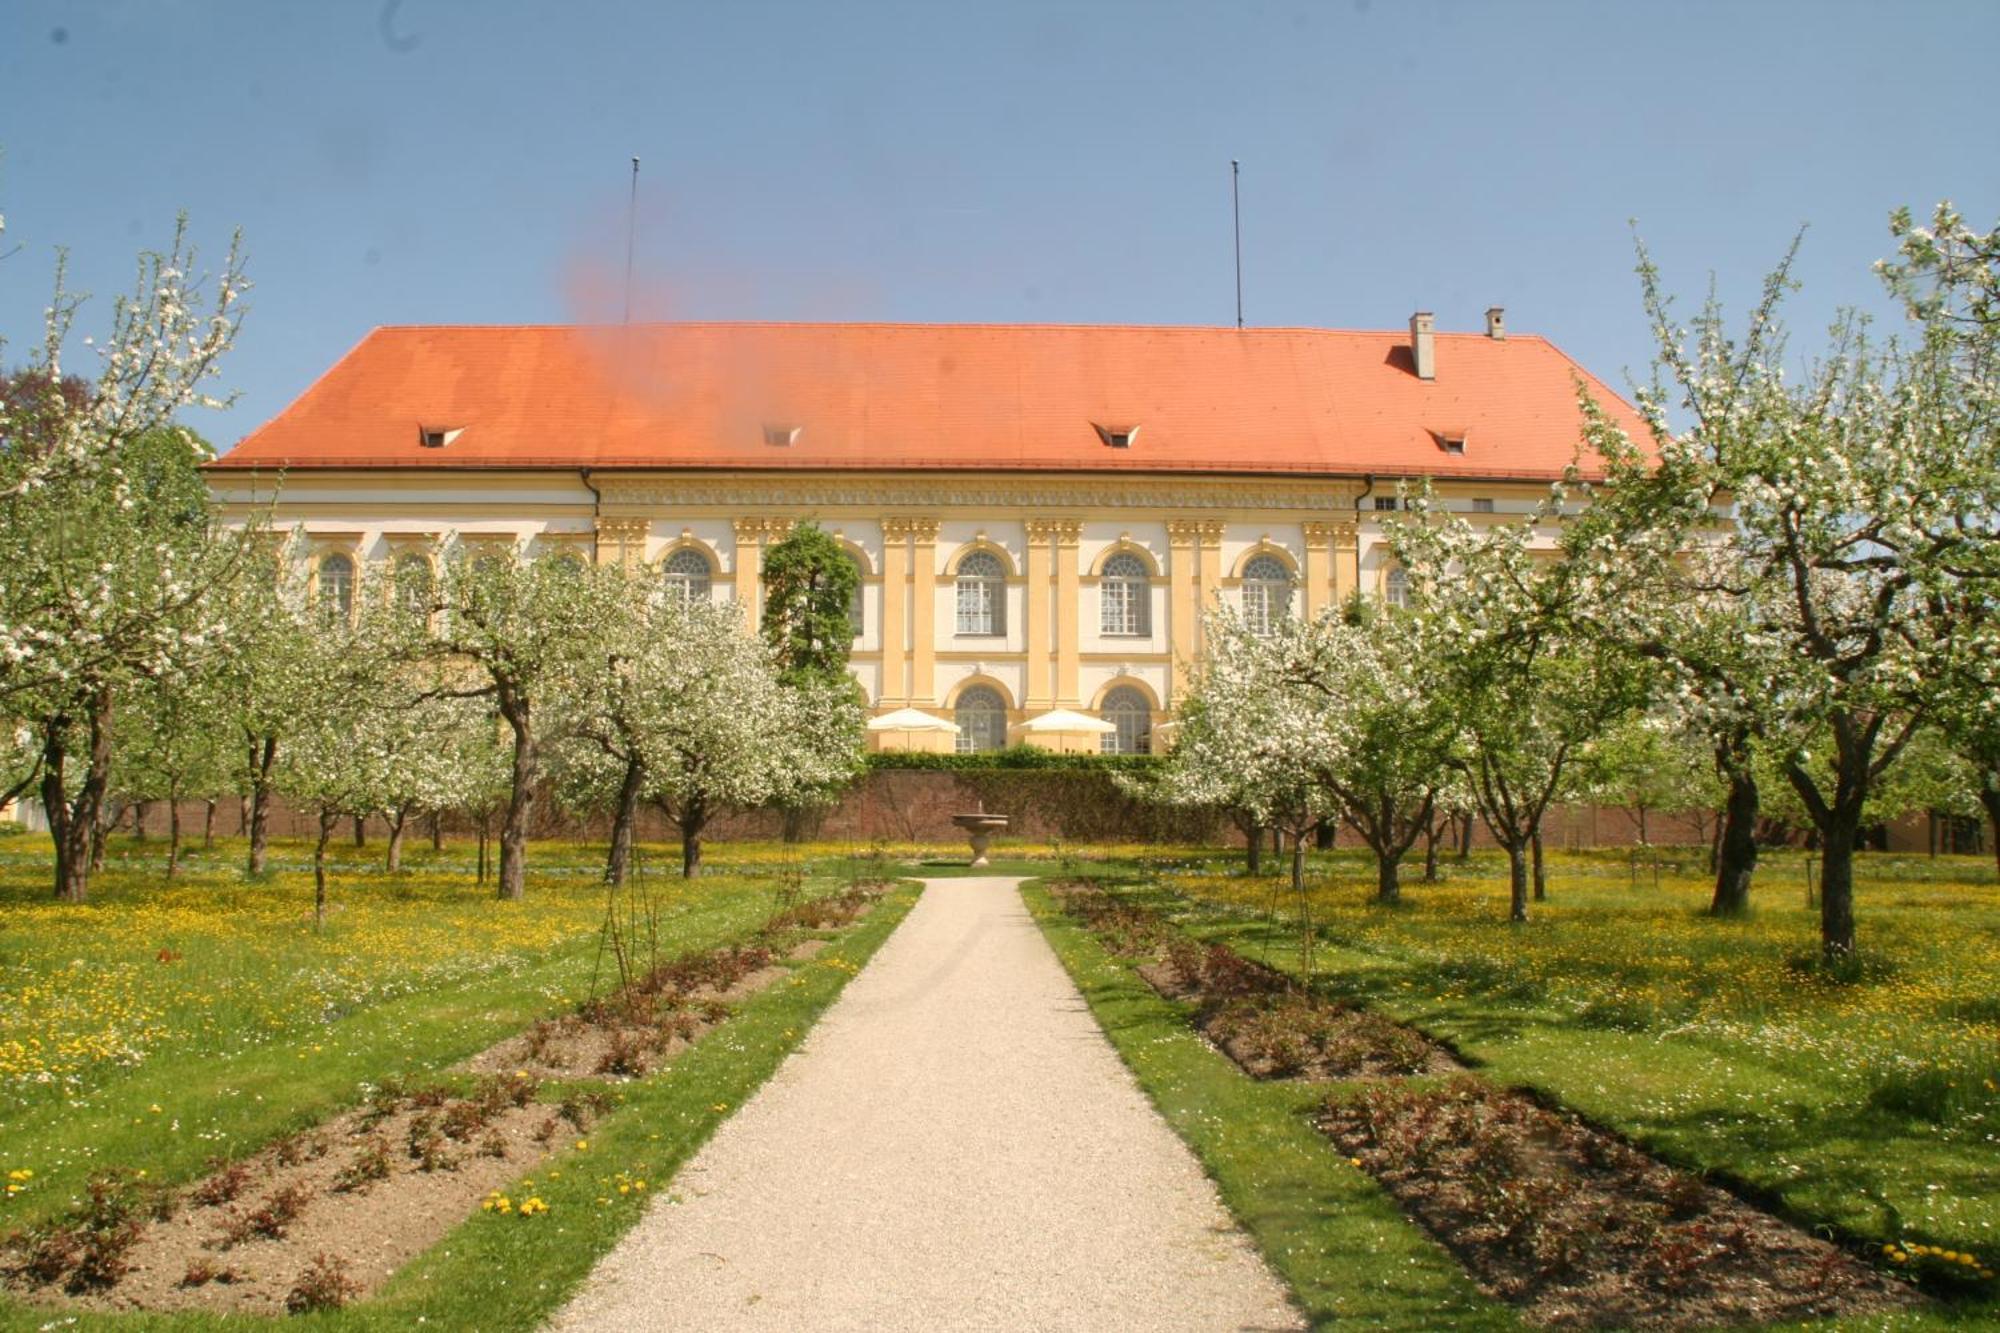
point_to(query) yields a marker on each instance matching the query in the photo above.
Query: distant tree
(809, 585)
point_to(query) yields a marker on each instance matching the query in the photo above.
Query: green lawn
(1866, 1105)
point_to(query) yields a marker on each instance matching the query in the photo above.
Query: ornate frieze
(944, 492)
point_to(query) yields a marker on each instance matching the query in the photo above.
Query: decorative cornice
(622, 529)
(677, 493)
(759, 527)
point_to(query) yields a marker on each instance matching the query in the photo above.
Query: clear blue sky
(433, 162)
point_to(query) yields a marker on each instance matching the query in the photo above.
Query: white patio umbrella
(912, 719)
(1065, 720)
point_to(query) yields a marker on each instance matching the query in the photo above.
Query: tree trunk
(437, 832)
(327, 820)
(1541, 871)
(173, 834)
(140, 809)
(1644, 841)
(1432, 832)
(1388, 887)
(243, 806)
(1253, 849)
(1736, 842)
(694, 818)
(208, 825)
(1836, 885)
(396, 822)
(1517, 880)
(1325, 834)
(1465, 836)
(1990, 798)
(72, 848)
(520, 801)
(263, 757)
(620, 855)
(361, 830)
(485, 836)
(1299, 863)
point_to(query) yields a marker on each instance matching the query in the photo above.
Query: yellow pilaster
(1346, 562)
(923, 610)
(1041, 536)
(1068, 619)
(621, 541)
(1181, 605)
(749, 565)
(1210, 533)
(895, 593)
(1319, 567)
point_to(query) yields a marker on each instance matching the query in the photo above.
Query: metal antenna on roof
(1236, 211)
(631, 223)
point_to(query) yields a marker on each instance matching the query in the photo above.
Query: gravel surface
(954, 1146)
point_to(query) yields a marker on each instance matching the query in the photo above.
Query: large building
(1040, 514)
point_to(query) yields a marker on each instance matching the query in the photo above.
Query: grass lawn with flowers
(167, 1023)
(1868, 1104)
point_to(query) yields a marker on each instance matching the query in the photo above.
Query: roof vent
(437, 437)
(1496, 324)
(781, 436)
(1118, 437)
(1423, 344)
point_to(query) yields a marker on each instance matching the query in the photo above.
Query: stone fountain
(980, 828)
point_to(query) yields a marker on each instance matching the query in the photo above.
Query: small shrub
(493, 1145)
(426, 1144)
(202, 1270)
(323, 1285)
(623, 1057)
(269, 1219)
(225, 1182)
(370, 1164)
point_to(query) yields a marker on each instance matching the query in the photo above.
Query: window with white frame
(1396, 587)
(688, 575)
(1126, 596)
(1132, 713)
(981, 715)
(336, 587)
(1267, 593)
(982, 594)
(415, 587)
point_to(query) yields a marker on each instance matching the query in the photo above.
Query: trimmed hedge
(1014, 757)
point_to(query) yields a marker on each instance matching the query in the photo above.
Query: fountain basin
(979, 828)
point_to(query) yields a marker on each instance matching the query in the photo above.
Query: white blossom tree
(1857, 507)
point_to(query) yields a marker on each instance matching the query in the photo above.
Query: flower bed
(1579, 1228)
(1260, 1018)
(329, 1214)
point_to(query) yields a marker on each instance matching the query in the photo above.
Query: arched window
(414, 585)
(1128, 710)
(1396, 588)
(689, 575)
(336, 587)
(1126, 596)
(856, 616)
(1267, 593)
(982, 720)
(982, 594)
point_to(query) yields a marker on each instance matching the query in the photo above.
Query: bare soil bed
(328, 1215)
(1257, 1016)
(1581, 1229)
(1571, 1224)
(375, 1187)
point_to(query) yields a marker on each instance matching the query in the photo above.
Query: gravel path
(954, 1146)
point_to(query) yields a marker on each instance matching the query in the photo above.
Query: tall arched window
(414, 585)
(1267, 593)
(1131, 712)
(982, 594)
(1396, 588)
(689, 575)
(856, 615)
(336, 587)
(1126, 596)
(981, 715)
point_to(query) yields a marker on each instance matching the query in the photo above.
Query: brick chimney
(1496, 323)
(1423, 344)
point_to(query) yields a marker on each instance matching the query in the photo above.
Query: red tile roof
(928, 396)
